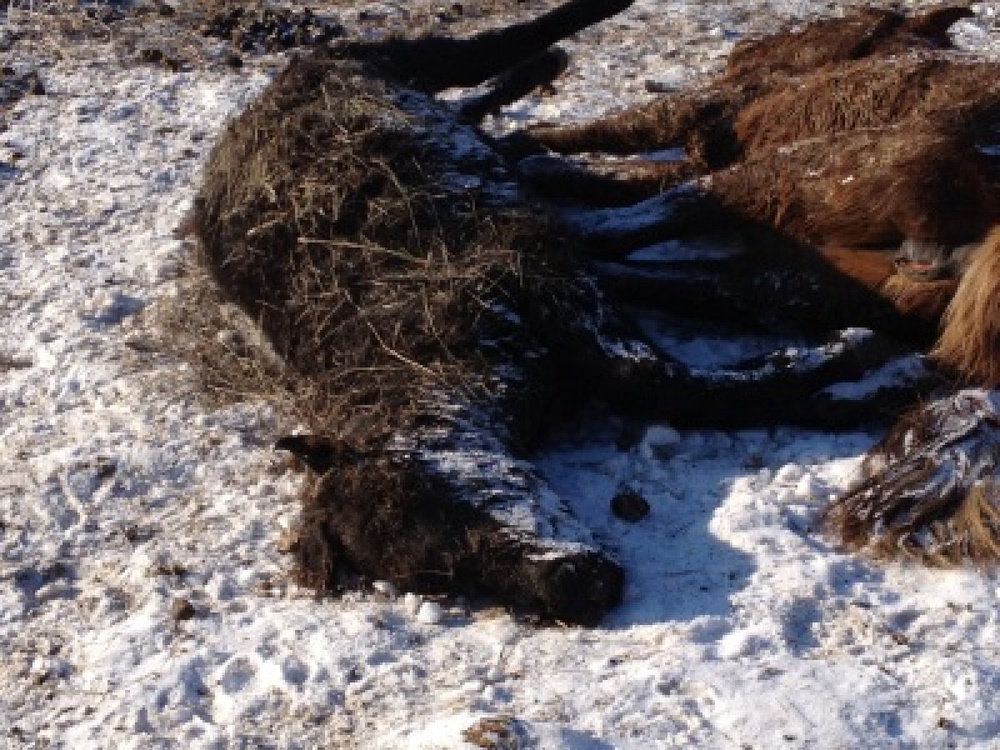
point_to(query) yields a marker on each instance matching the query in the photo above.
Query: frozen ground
(143, 599)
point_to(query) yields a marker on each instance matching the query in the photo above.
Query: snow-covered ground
(143, 598)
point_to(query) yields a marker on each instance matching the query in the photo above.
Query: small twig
(401, 357)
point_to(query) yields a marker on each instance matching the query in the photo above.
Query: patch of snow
(121, 492)
(659, 442)
(643, 215)
(895, 374)
(430, 613)
(704, 346)
(688, 251)
(467, 452)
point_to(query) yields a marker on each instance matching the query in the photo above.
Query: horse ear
(970, 336)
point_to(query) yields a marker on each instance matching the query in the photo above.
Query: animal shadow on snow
(676, 568)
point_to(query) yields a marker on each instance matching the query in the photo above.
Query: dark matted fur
(930, 488)
(393, 520)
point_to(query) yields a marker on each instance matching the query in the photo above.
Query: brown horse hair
(927, 300)
(870, 32)
(970, 337)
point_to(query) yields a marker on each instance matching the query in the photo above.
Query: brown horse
(861, 138)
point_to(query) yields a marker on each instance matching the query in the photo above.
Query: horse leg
(435, 63)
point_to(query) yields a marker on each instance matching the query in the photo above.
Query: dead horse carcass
(424, 311)
(866, 144)
(437, 327)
